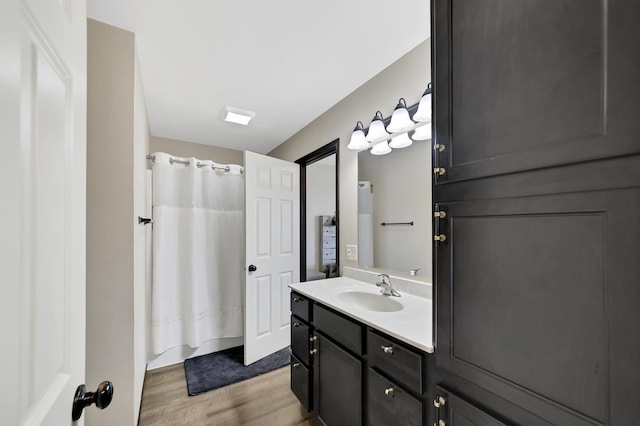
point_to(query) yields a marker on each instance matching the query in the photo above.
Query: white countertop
(412, 324)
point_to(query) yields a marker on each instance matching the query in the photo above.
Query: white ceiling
(286, 60)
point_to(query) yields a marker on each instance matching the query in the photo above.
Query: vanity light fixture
(237, 115)
(422, 133)
(424, 107)
(381, 148)
(400, 124)
(400, 121)
(377, 133)
(400, 141)
(358, 140)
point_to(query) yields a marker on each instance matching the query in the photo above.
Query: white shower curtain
(198, 252)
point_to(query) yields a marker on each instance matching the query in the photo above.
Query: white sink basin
(371, 302)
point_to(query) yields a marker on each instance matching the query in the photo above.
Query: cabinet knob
(439, 171)
(389, 392)
(296, 324)
(296, 299)
(439, 401)
(296, 365)
(440, 237)
(387, 349)
(313, 351)
(313, 338)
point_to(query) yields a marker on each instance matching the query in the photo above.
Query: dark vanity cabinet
(355, 375)
(536, 271)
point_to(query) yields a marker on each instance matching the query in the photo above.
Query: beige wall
(408, 78)
(117, 142)
(202, 152)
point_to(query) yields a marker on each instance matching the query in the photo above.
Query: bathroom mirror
(395, 189)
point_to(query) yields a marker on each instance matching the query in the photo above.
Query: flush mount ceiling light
(237, 115)
(377, 133)
(400, 121)
(358, 141)
(424, 107)
(381, 148)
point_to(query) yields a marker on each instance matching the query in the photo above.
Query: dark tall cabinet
(537, 284)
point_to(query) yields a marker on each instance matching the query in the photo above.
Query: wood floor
(265, 400)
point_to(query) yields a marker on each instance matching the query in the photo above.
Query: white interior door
(272, 229)
(42, 175)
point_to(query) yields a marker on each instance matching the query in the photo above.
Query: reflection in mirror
(321, 215)
(395, 189)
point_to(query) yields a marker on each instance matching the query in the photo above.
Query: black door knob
(252, 268)
(101, 397)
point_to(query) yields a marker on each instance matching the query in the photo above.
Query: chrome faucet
(385, 286)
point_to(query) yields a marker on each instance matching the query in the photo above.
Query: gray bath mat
(213, 371)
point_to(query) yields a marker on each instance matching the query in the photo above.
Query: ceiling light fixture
(358, 140)
(377, 133)
(381, 148)
(424, 107)
(400, 141)
(400, 121)
(422, 133)
(237, 115)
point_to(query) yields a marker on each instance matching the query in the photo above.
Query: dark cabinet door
(520, 85)
(300, 340)
(537, 285)
(338, 385)
(458, 412)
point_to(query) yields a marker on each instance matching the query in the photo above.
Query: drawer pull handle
(313, 338)
(387, 349)
(296, 324)
(296, 365)
(439, 401)
(389, 392)
(313, 351)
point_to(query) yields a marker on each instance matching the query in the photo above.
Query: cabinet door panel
(527, 288)
(458, 412)
(338, 380)
(301, 383)
(388, 404)
(522, 85)
(300, 344)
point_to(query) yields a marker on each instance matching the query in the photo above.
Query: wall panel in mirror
(395, 188)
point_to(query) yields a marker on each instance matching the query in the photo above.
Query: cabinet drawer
(329, 243)
(328, 254)
(329, 231)
(388, 404)
(301, 383)
(300, 307)
(300, 339)
(396, 360)
(341, 329)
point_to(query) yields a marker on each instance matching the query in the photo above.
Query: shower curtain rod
(186, 163)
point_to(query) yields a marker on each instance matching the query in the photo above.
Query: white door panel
(43, 68)
(272, 246)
